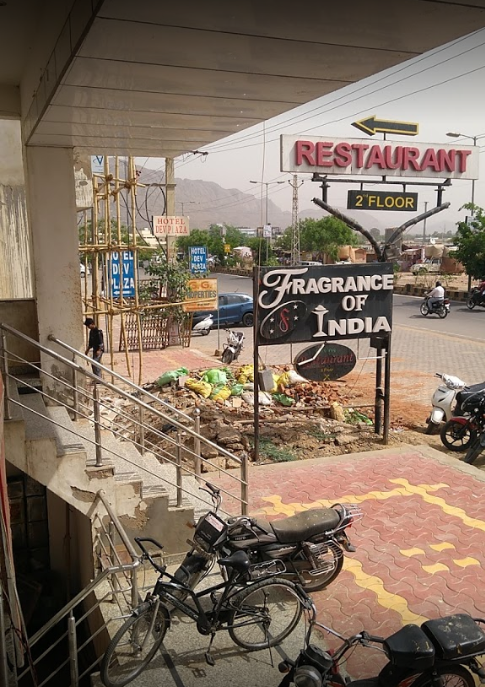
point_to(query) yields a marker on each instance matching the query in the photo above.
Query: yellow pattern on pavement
(394, 602)
(412, 552)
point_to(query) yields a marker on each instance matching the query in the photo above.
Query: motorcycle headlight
(307, 676)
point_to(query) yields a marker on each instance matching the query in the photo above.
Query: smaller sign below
(203, 295)
(227, 248)
(121, 274)
(325, 362)
(198, 259)
(97, 164)
(170, 226)
(267, 231)
(382, 200)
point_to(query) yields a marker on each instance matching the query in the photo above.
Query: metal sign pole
(256, 361)
(387, 391)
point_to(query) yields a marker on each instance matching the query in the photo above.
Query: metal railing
(148, 422)
(81, 628)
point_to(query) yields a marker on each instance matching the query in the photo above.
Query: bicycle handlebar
(148, 556)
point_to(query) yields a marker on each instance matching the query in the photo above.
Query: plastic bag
(295, 378)
(199, 386)
(171, 376)
(221, 393)
(284, 399)
(284, 380)
(215, 376)
(245, 374)
(237, 389)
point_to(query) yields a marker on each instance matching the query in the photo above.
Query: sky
(442, 90)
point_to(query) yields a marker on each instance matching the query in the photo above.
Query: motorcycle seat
(305, 525)
(469, 391)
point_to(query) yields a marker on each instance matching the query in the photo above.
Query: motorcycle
(476, 448)
(444, 397)
(440, 652)
(460, 432)
(476, 298)
(233, 347)
(204, 326)
(306, 548)
(440, 308)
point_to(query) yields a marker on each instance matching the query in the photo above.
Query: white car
(426, 266)
(82, 269)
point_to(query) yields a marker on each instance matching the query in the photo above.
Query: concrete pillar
(16, 279)
(51, 203)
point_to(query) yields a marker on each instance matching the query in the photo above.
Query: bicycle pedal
(208, 659)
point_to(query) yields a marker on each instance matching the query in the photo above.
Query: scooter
(233, 347)
(443, 400)
(204, 326)
(439, 652)
(440, 308)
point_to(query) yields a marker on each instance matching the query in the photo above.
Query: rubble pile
(297, 416)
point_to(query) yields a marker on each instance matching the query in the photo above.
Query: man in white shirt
(435, 295)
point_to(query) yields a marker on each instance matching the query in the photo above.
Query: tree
(470, 243)
(262, 251)
(325, 236)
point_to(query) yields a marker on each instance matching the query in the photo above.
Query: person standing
(96, 343)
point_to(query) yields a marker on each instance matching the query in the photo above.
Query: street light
(267, 184)
(453, 134)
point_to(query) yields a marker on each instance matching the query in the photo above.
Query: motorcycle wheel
(449, 676)
(457, 436)
(473, 452)
(442, 312)
(432, 428)
(227, 356)
(470, 304)
(313, 583)
(424, 309)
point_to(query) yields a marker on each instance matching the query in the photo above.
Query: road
(461, 322)
(421, 345)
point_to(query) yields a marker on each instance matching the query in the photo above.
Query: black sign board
(325, 362)
(326, 303)
(382, 200)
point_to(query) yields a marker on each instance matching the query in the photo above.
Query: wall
(15, 244)
(21, 315)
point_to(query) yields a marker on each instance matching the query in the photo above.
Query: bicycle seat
(238, 561)
(305, 525)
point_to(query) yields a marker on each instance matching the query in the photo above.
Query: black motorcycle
(461, 431)
(475, 298)
(439, 307)
(306, 548)
(440, 652)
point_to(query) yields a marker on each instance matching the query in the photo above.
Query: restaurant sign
(361, 157)
(330, 302)
(325, 362)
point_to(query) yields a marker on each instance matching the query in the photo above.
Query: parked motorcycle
(440, 308)
(440, 652)
(443, 400)
(306, 548)
(461, 431)
(475, 298)
(204, 326)
(233, 347)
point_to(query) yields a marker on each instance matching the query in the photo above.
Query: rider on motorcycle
(435, 296)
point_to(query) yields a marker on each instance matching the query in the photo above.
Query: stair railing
(171, 435)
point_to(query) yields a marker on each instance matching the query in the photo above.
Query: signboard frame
(121, 269)
(170, 225)
(202, 295)
(378, 200)
(197, 259)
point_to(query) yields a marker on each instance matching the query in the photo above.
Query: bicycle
(257, 615)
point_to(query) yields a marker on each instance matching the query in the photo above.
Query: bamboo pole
(137, 303)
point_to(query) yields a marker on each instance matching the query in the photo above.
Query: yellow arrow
(371, 125)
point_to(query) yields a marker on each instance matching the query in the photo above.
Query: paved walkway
(420, 544)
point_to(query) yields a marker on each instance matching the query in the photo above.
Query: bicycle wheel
(457, 436)
(451, 676)
(265, 613)
(134, 645)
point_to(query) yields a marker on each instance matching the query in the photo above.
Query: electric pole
(424, 223)
(295, 232)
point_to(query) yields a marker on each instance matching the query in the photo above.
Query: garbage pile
(225, 387)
